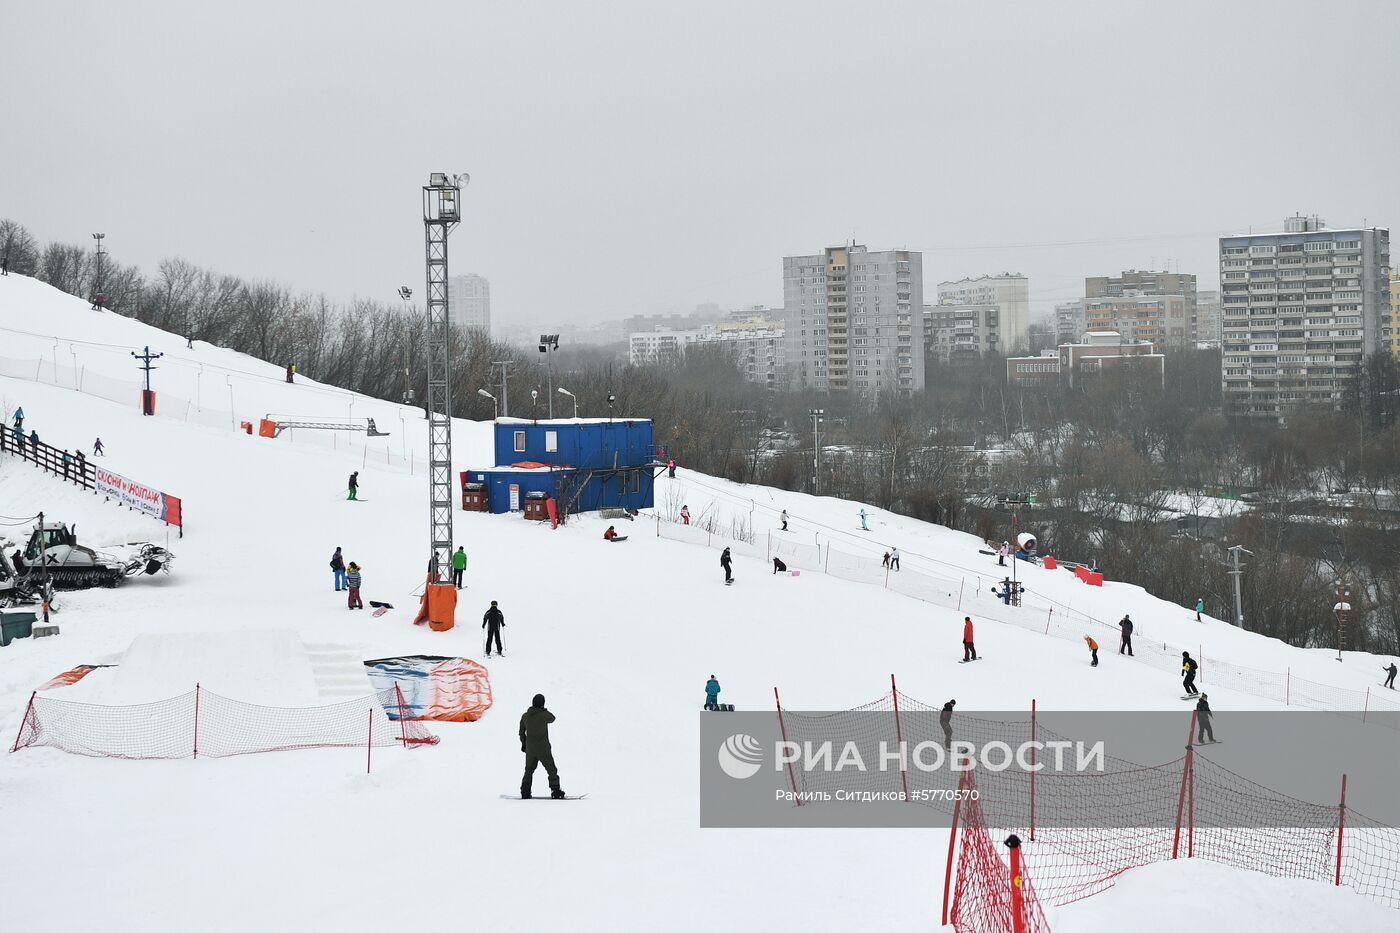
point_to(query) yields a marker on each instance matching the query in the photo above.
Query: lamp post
(495, 406)
(97, 281)
(564, 391)
(816, 414)
(549, 342)
(534, 404)
(406, 293)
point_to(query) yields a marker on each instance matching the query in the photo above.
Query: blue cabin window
(520, 442)
(551, 442)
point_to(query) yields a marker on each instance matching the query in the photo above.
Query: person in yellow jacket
(1093, 650)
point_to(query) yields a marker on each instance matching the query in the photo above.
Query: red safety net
(1190, 807)
(990, 896)
(203, 723)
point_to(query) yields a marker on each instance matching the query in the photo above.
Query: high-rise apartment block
(852, 320)
(1179, 333)
(960, 331)
(1069, 321)
(1009, 293)
(1394, 324)
(1163, 320)
(1300, 310)
(1208, 319)
(469, 302)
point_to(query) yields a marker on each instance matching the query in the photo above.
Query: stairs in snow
(339, 672)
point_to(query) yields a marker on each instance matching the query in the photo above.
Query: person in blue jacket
(712, 693)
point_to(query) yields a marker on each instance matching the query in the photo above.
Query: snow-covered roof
(559, 421)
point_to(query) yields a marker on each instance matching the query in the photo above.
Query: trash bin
(536, 507)
(474, 497)
(16, 623)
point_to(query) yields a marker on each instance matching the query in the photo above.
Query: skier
(354, 484)
(291, 372)
(779, 566)
(886, 561)
(1093, 650)
(863, 525)
(671, 468)
(5, 264)
(1390, 675)
(1001, 554)
(969, 649)
(97, 449)
(1125, 640)
(493, 622)
(1188, 670)
(945, 719)
(459, 566)
(784, 519)
(1203, 715)
(712, 693)
(685, 514)
(724, 561)
(338, 570)
(610, 534)
(352, 580)
(534, 742)
(894, 558)
(1200, 608)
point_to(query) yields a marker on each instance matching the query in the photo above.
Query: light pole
(816, 414)
(505, 384)
(611, 399)
(495, 406)
(549, 342)
(534, 404)
(97, 282)
(564, 391)
(1236, 570)
(406, 293)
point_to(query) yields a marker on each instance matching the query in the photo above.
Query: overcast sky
(647, 156)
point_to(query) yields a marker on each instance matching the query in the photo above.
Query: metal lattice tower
(441, 198)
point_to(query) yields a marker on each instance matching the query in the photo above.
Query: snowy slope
(619, 637)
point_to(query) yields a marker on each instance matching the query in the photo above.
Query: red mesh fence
(203, 723)
(990, 896)
(1071, 852)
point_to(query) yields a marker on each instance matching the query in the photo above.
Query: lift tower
(441, 214)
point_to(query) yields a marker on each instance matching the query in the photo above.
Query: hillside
(620, 638)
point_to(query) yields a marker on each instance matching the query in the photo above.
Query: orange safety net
(437, 688)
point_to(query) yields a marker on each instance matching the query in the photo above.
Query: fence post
(1287, 685)
(196, 720)
(1191, 813)
(1341, 821)
(24, 719)
(952, 839)
(1018, 907)
(1032, 770)
(403, 714)
(962, 582)
(1367, 708)
(1185, 776)
(369, 740)
(770, 544)
(826, 568)
(782, 727)
(658, 524)
(1047, 632)
(899, 738)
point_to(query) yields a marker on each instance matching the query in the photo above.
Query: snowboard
(728, 582)
(1192, 696)
(722, 708)
(379, 612)
(978, 658)
(617, 538)
(380, 604)
(544, 797)
(1210, 742)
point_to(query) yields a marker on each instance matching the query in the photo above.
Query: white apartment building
(469, 302)
(954, 331)
(649, 348)
(757, 348)
(1300, 310)
(1009, 293)
(1208, 319)
(1069, 321)
(852, 320)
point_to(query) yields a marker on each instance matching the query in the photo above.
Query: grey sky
(645, 157)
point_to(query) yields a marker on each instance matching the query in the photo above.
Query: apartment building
(1009, 293)
(1132, 282)
(1393, 325)
(1095, 353)
(1300, 310)
(1208, 319)
(961, 331)
(851, 320)
(757, 347)
(1163, 320)
(1069, 321)
(469, 302)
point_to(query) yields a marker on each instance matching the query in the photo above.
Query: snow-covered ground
(620, 638)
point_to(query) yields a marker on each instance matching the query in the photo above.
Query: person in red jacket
(969, 650)
(610, 533)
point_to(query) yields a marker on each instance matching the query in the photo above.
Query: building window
(520, 442)
(551, 441)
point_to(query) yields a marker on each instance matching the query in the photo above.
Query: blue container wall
(498, 486)
(586, 446)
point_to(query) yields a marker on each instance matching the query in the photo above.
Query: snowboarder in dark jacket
(493, 622)
(1203, 715)
(534, 742)
(1188, 671)
(338, 570)
(354, 484)
(724, 561)
(1125, 642)
(1390, 675)
(779, 566)
(945, 719)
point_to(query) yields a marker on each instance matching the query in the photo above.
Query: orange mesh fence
(990, 896)
(202, 722)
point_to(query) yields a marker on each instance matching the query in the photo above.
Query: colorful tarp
(437, 688)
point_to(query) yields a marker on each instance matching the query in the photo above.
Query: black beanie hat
(539, 701)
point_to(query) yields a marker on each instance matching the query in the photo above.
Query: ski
(379, 612)
(542, 797)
